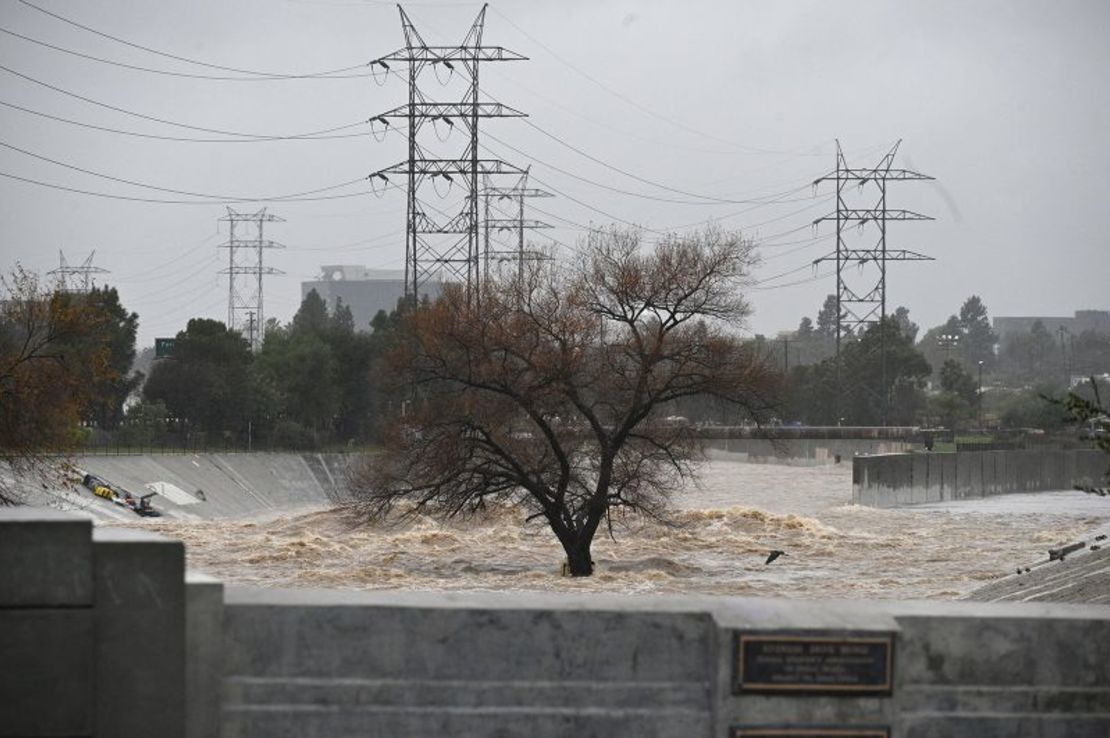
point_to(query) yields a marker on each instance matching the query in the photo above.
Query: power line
(599, 211)
(163, 120)
(815, 278)
(753, 226)
(805, 244)
(169, 73)
(145, 274)
(258, 139)
(175, 57)
(638, 178)
(787, 273)
(638, 106)
(128, 198)
(708, 199)
(221, 198)
(703, 199)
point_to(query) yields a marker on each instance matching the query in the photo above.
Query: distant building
(364, 291)
(1083, 320)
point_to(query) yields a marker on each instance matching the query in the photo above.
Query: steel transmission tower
(245, 270)
(861, 272)
(76, 278)
(517, 224)
(447, 246)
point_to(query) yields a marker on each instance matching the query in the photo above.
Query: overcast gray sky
(1007, 104)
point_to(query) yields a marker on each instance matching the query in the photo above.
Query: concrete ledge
(45, 558)
(204, 637)
(140, 634)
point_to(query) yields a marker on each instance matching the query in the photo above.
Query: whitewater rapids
(721, 532)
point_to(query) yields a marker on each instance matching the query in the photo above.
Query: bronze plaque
(811, 732)
(821, 662)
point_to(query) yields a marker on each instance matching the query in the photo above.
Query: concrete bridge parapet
(104, 635)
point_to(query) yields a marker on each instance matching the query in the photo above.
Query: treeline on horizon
(319, 382)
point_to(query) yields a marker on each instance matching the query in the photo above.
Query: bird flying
(774, 555)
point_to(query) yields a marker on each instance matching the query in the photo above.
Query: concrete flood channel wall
(102, 633)
(214, 485)
(889, 480)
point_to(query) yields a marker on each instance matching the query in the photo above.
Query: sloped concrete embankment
(215, 485)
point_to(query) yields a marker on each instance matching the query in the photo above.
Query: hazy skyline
(1005, 103)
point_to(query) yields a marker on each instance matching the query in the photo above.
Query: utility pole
(517, 225)
(861, 297)
(785, 356)
(77, 279)
(448, 244)
(245, 269)
(979, 396)
(1061, 331)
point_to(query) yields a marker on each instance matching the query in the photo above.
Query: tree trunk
(579, 563)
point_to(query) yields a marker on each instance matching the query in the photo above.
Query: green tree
(941, 343)
(827, 317)
(902, 320)
(810, 394)
(954, 379)
(957, 401)
(206, 382)
(1091, 353)
(1027, 408)
(144, 424)
(1085, 407)
(113, 383)
(979, 338)
(312, 316)
(808, 345)
(877, 392)
(1032, 357)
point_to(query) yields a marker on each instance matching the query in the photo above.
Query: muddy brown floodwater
(722, 531)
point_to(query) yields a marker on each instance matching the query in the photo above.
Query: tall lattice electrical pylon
(76, 278)
(861, 267)
(444, 245)
(861, 292)
(245, 269)
(504, 214)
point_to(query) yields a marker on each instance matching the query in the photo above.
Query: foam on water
(716, 543)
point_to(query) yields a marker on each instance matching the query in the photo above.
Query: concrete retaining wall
(103, 635)
(889, 480)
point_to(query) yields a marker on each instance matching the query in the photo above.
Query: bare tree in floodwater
(552, 390)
